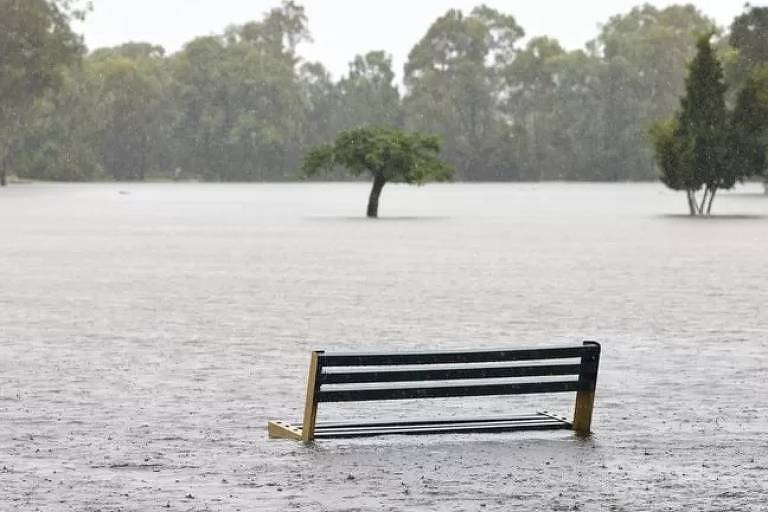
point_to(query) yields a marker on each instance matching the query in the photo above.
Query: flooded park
(149, 332)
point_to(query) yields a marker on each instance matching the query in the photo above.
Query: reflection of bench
(349, 377)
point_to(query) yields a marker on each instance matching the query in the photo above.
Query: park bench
(353, 377)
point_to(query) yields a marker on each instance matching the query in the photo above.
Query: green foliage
(240, 106)
(454, 76)
(644, 54)
(702, 119)
(748, 38)
(690, 149)
(388, 153)
(583, 115)
(129, 85)
(61, 141)
(322, 105)
(36, 45)
(746, 139)
(368, 94)
(670, 148)
(244, 106)
(549, 91)
(704, 146)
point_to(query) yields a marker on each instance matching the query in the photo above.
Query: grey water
(149, 331)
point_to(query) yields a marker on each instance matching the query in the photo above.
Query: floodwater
(148, 331)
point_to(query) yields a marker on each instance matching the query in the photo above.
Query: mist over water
(150, 330)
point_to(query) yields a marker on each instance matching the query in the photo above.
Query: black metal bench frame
(334, 369)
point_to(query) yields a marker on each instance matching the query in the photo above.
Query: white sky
(343, 28)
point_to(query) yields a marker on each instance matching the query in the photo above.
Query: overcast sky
(343, 28)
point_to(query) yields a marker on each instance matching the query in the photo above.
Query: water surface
(149, 331)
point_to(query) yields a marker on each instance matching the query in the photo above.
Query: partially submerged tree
(703, 121)
(704, 146)
(387, 154)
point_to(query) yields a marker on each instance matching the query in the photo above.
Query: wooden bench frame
(344, 369)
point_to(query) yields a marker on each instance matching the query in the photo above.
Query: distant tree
(749, 42)
(641, 78)
(368, 93)
(388, 154)
(548, 93)
(130, 88)
(62, 139)
(240, 104)
(322, 105)
(36, 44)
(746, 138)
(454, 76)
(749, 39)
(705, 147)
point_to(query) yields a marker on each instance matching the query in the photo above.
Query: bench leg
(310, 406)
(582, 417)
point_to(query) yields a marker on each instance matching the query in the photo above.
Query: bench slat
(357, 376)
(359, 395)
(456, 357)
(443, 421)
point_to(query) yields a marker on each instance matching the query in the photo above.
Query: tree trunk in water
(711, 200)
(144, 152)
(373, 200)
(2, 178)
(691, 202)
(707, 190)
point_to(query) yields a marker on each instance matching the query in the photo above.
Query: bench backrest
(349, 377)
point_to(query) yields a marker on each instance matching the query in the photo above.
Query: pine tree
(692, 148)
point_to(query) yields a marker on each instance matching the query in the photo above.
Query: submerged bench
(351, 377)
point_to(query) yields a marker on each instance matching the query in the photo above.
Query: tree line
(244, 105)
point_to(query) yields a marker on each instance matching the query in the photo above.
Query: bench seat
(535, 421)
